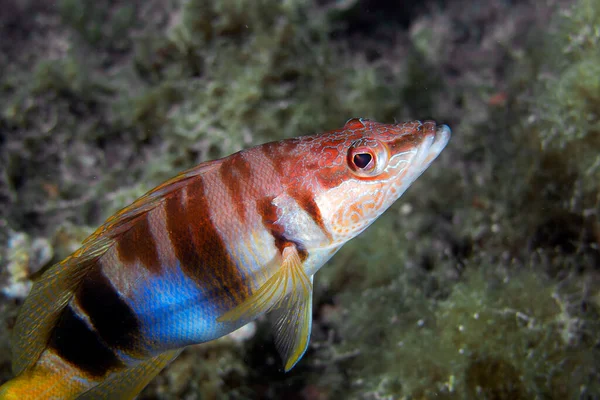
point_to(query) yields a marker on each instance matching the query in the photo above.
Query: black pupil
(362, 160)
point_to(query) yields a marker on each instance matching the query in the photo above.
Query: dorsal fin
(55, 288)
(121, 221)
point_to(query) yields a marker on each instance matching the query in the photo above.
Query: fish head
(369, 168)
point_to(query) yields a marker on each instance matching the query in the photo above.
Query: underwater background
(481, 282)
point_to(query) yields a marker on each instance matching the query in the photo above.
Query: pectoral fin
(292, 324)
(288, 293)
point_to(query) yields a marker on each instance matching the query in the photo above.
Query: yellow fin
(292, 324)
(45, 303)
(130, 382)
(288, 293)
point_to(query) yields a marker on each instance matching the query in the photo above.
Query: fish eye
(362, 160)
(367, 157)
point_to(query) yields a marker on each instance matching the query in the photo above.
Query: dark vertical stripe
(235, 172)
(77, 344)
(198, 245)
(268, 212)
(112, 318)
(138, 244)
(279, 153)
(306, 200)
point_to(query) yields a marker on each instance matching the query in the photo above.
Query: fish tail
(40, 384)
(13, 389)
(63, 382)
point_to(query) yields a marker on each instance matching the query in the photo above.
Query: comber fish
(207, 252)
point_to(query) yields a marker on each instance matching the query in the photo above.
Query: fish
(207, 252)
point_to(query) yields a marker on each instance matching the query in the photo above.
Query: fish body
(207, 252)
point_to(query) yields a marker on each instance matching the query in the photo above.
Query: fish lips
(432, 145)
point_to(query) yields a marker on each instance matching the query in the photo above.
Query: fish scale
(207, 252)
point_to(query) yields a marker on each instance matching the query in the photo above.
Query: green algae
(100, 24)
(493, 337)
(214, 370)
(565, 106)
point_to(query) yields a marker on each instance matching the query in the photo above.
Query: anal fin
(130, 382)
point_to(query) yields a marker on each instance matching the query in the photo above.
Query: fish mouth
(432, 145)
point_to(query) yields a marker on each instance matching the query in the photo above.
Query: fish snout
(433, 143)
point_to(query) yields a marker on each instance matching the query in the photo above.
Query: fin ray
(288, 295)
(292, 324)
(44, 304)
(269, 294)
(129, 383)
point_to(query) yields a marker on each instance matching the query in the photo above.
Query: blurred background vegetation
(481, 282)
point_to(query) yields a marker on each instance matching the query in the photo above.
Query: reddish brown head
(357, 172)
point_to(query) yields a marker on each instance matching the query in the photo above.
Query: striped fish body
(205, 253)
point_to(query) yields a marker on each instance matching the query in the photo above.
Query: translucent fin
(55, 288)
(292, 324)
(130, 382)
(288, 293)
(271, 293)
(44, 305)
(121, 221)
